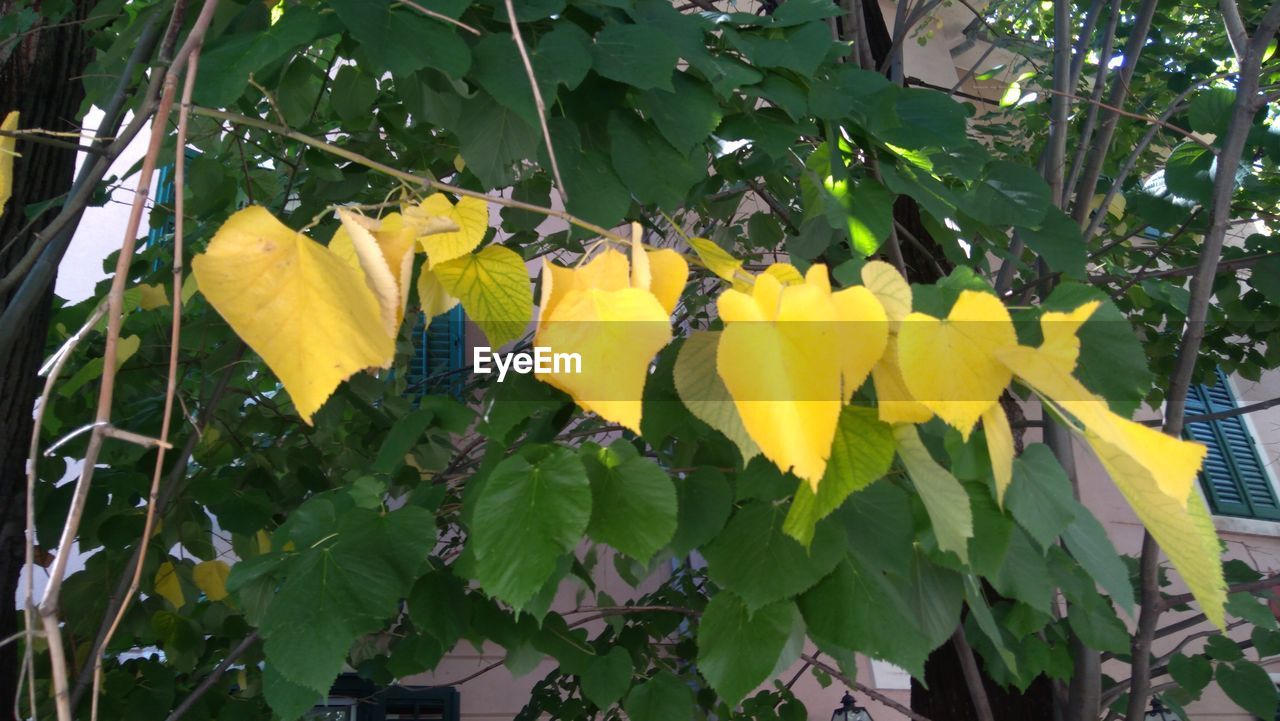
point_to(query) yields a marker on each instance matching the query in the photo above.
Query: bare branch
(972, 675)
(870, 692)
(439, 16)
(208, 681)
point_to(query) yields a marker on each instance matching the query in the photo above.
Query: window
(1234, 479)
(438, 355)
(354, 699)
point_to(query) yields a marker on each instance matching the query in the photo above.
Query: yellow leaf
(432, 295)
(263, 540)
(704, 394)
(608, 270)
(777, 359)
(716, 259)
(894, 402)
(302, 308)
(152, 296)
(471, 215)
(995, 424)
(211, 578)
(378, 274)
(785, 272)
(669, 273)
(950, 365)
(167, 585)
(125, 349)
(8, 146)
(616, 334)
(892, 290)
(862, 335)
(493, 286)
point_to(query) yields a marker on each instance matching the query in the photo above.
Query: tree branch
(972, 675)
(217, 673)
(870, 692)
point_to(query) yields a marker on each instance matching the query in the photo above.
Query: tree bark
(38, 79)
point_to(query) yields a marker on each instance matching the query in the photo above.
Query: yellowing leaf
(704, 394)
(152, 296)
(189, 288)
(995, 424)
(669, 272)
(616, 334)
(944, 498)
(608, 270)
(716, 259)
(777, 359)
(211, 578)
(493, 286)
(378, 274)
(950, 365)
(432, 295)
(863, 334)
(892, 290)
(785, 272)
(167, 585)
(8, 151)
(471, 215)
(894, 402)
(302, 308)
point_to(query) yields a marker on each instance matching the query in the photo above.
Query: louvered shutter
(438, 355)
(1233, 475)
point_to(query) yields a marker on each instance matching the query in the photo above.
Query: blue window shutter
(438, 354)
(1233, 475)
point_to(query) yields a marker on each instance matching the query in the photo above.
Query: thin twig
(972, 675)
(208, 681)
(537, 99)
(171, 389)
(439, 16)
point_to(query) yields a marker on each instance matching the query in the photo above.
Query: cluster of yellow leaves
(8, 151)
(317, 314)
(793, 352)
(615, 313)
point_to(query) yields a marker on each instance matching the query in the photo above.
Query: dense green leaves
(738, 648)
(533, 508)
(633, 502)
(639, 55)
(664, 697)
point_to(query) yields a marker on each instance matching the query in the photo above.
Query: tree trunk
(947, 696)
(40, 79)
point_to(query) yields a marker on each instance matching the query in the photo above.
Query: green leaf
(1188, 172)
(534, 507)
(705, 502)
(1024, 575)
(703, 392)
(595, 192)
(1089, 544)
(1192, 673)
(662, 698)
(1252, 609)
(229, 59)
(633, 502)
(801, 48)
(1249, 685)
(287, 699)
(353, 94)
(878, 522)
(656, 173)
(1059, 242)
(861, 453)
(685, 115)
(438, 606)
(492, 138)
(1210, 110)
(605, 679)
(853, 611)
(738, 649)
(1265, 641)
(925, 119)
(348, 589)
(639, 55)
(402, 40)
(944, 498)
(563, 56)
(1221, 648)
(403, 436)
(1007, 194)
(1040, 497)
(870, 216)
(1112, 362)
(753, 557)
